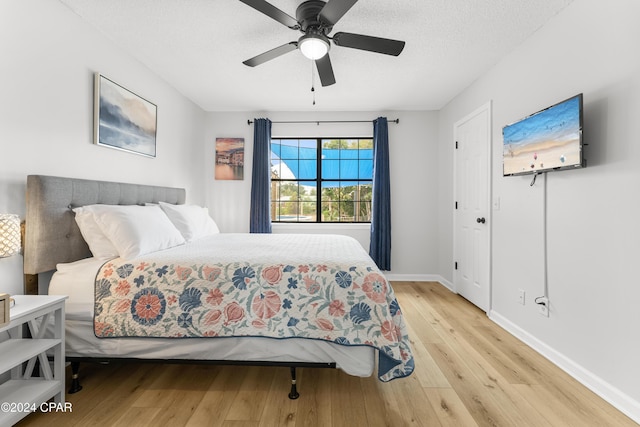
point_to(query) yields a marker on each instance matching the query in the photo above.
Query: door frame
(488, 108)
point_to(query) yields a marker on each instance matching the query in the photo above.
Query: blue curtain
(260, 213)
(380, 247)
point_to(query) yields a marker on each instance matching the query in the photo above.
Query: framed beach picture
(122, 119)
(229, 158)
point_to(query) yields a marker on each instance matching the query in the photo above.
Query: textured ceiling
(198, 47)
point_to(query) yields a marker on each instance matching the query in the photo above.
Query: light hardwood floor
(469, 372)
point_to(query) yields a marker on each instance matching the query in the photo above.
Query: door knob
(480, 220)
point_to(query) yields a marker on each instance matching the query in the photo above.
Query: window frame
(319, 180)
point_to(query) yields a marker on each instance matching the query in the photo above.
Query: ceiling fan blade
(325, 71)
(370, 43)
(334, 10)
(271, 54)
(273, 12)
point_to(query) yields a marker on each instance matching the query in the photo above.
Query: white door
(472, 220)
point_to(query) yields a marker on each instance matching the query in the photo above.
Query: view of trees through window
(321, 179)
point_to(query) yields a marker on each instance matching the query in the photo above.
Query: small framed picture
(229, 158)
(122, 119)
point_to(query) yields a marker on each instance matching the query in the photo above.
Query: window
(321, 179)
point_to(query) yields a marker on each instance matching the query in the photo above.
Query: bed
(284, 300)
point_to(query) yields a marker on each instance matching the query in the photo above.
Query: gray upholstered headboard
(51, 234)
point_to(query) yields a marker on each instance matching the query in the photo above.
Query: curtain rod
(317, 122)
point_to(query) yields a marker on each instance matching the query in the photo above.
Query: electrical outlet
(543, 306)
(521, 295)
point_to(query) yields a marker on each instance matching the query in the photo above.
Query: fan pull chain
(313, 89)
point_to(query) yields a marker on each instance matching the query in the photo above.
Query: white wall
(413, 157)
(593, 230)
(48, 57)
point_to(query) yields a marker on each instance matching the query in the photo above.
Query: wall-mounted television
(548, 140)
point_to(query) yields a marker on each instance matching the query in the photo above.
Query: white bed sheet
(77, 280)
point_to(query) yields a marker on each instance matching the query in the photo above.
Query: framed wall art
(229, 158)
(122, 119)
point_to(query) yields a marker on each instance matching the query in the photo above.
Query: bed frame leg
(294, 391)
(75, 383)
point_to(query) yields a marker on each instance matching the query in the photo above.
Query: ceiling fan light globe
(313, 47)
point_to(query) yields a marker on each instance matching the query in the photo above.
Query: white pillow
(99, 245)
(136, 230)
(193, 221)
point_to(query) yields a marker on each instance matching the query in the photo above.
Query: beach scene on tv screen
(546, 140)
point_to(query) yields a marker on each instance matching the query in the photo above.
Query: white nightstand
(23, 389)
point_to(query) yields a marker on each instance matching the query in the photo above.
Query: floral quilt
(348, 305)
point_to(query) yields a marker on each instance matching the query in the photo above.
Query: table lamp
(10, 242)
(9, 235)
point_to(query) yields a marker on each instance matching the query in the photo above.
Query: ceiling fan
(315, 19)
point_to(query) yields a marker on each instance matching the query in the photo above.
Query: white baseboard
(412, 277)
(611, 394)
(421, 278)
(447, 284)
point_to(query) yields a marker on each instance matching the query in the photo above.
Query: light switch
(496, 203)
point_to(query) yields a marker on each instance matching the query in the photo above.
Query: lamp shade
(9, 235)
(313, 46)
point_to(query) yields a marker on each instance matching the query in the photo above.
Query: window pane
(331, 193)
(308, 190)
(346, 211)
(364, 212)
(307, 169)
(330, 154)
(352, 144)
(308, 153)
(306, 208)
(275, 191)
(276, 173)
(330, 169)
(288, 211)
(289, 149)
(288, 191)
(365, 191)
(275, 149)
(347, 190)
(307, 212)
(366, 153)
(365, 169)
(334, 144)
(350, 149)
(290, 169)
(308, 143)
(365, 144)
(347, 194)
(349, 154)
(348, 169)
(330, 211)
